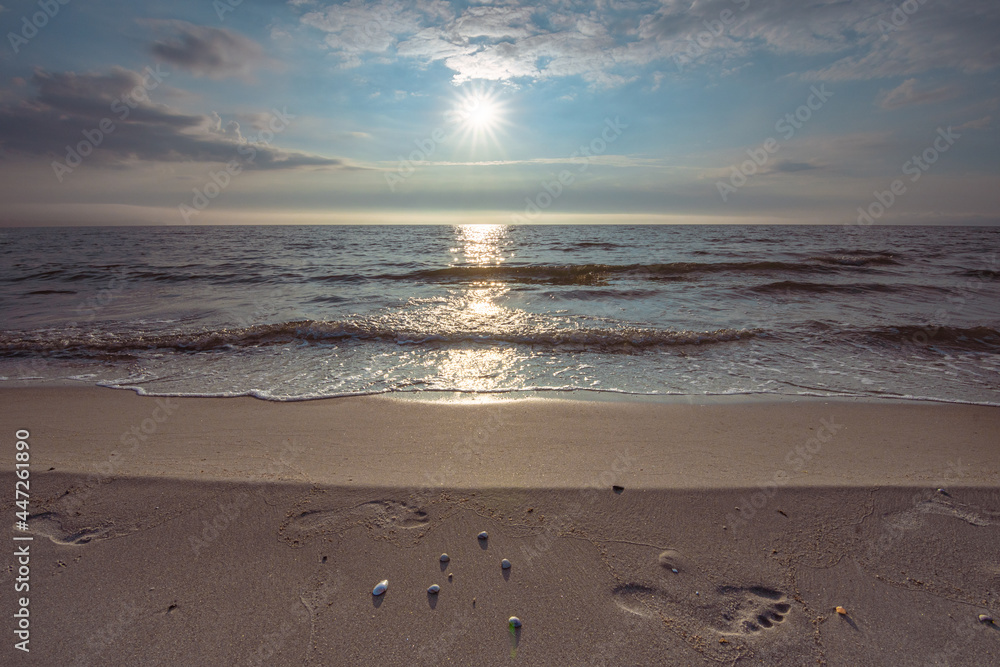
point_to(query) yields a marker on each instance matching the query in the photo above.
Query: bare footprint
(50, 524)
(635, 599)
(382, 518)
(751, 609)
(720, 620)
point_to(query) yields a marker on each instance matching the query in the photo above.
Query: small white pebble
(514, 622)
(434, 589)
(380, 587)
(674, 570)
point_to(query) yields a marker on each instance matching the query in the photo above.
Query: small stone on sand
(445, 558)
(985, 618)
(483, 535)
(514, 622)
(380, 587)
(505, 564)
(434, 589)
(841, 611)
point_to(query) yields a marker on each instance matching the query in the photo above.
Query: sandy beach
(236, 531)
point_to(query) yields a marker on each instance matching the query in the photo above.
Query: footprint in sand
(50, 524)
(756, 608)
(740, 610)
(716, 618)
(382, 518)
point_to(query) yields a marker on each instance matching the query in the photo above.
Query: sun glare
(479, 116)
(481, 112)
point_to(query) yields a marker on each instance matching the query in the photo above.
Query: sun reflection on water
(478, 310)
(478, 370)
(482, 245)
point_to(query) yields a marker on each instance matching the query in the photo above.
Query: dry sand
(235, 531)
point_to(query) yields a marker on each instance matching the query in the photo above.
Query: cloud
(70, 108)
(907, 94)
(947, 34)
(978, 124)
(215, 53)
(230, 130)
(494, 23)
(608, 42)
(790, 167)
(357, 27)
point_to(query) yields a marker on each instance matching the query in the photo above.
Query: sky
(679, 111)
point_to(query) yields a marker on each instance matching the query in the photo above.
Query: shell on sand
(483, 535)
(841, 611)
(514, 622)
(434, 589)
(505, 564)
(380, 587)
(445, 558)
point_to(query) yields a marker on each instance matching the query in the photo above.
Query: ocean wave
(595, 274)
(972, 339)
(788, 286)
(311, 332)
(856, 258)
(620, 338)
(982, 274)
(552, 274)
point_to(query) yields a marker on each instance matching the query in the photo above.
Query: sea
(289, 313)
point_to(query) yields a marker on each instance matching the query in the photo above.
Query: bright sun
(479, 116)
(480, 112)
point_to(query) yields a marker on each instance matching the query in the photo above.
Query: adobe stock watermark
(407, 165)
(943, 315)
(105, 638)
(121, 107)
(134, 438)
(221, 179)
(787, 125)
(915, 167)
(796, 459)
(38, 20)
(897, 526)
(473, 445)
(86, 309)
(432, 653)
(229, 513)
(362, 37)
(552, 190)
(703, 41)
(223, 7)
(900, 16)
(588, 494)
(427, 146)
